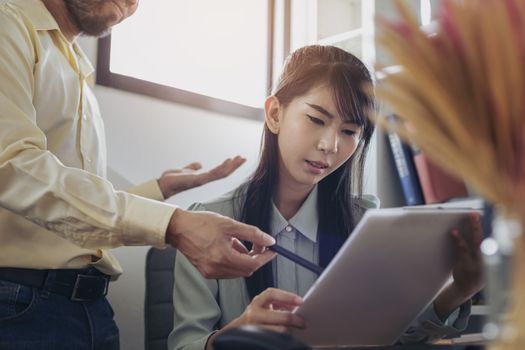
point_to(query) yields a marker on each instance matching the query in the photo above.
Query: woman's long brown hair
(350, 82)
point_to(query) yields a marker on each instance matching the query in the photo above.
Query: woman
(307, 193)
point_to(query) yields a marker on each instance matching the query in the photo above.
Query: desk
(411, 347)
(254, 338)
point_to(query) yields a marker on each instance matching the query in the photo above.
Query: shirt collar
(37, 13)
(85, 66)
(305, 220)
(43, 20)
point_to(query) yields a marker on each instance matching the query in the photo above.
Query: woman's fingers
(476, 234)
(273, 295)
(283, 307)
(262, 309)
(460, 243)
(277, 329)
(270, 317)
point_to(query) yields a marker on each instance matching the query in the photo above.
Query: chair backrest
(158, 304)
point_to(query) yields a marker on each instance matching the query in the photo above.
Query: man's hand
(212, 243)
(174, 181)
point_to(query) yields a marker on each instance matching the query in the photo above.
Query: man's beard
(84, 12)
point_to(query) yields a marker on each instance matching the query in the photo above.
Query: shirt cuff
(458, 319)
(455, 323)
(149, 189)
(208, 339)
(429, 328)
(146, 222)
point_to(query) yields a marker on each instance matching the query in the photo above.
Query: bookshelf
(350, 25)
(347, 24)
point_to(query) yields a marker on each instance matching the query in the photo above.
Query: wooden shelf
(352, 34)
(482, 310)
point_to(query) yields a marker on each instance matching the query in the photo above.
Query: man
(58, 214)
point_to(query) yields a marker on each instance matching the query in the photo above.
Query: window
(347, 24)
(210, 54)
(225, 55)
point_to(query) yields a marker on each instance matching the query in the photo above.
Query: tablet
(389, 270)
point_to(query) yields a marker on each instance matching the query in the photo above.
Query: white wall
(145, 136)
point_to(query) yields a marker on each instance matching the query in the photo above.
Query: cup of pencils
(460, 94)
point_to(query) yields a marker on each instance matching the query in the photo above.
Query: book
(437, 185)
(406, 171)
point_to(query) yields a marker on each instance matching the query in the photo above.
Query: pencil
(296, 259)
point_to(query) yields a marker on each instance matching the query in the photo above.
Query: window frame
(105, 77)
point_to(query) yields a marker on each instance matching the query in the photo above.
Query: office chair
(158, 302)
(158, 312)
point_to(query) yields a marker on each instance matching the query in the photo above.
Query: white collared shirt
(299, 235)
(201, 306)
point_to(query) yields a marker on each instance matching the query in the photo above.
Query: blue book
(406, 170)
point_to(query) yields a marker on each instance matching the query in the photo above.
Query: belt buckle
(78, 281)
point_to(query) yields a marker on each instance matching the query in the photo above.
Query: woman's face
(313, 139)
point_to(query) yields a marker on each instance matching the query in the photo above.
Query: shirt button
(288, 228)
(88, 159)
(84, 116)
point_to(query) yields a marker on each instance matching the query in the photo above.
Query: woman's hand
(272, 310)
(467, 272)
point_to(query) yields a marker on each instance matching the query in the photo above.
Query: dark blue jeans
(32, 318)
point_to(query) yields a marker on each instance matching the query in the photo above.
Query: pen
(296, 259)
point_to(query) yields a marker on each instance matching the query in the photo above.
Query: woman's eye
(315, 120)
(349, 132)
